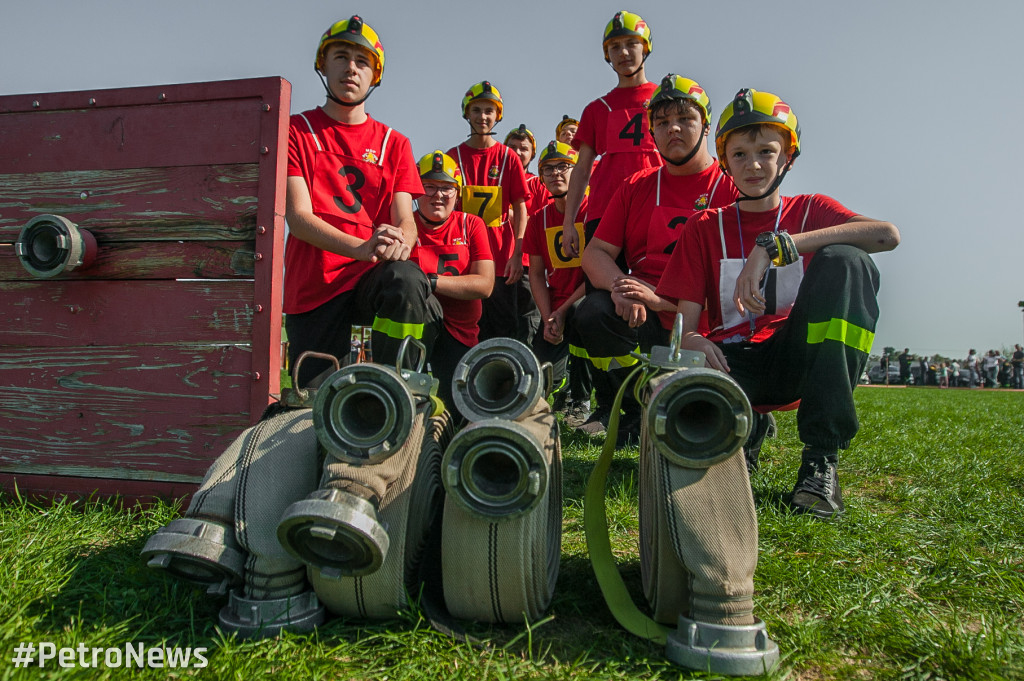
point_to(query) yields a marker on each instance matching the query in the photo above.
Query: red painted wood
(266, 88)
(269, 247)
(194, 133)
(185, 203)
(58, 314)
(123, 372)
(150, 412)
(126, 493)
(151, 260)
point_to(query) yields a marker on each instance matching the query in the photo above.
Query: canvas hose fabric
(698, 540)
(242, 487)
(275, 469)
(411, 485)
(504, 570)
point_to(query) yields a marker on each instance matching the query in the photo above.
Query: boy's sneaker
(597, 423)
(577, 413)
(764, 426)
(817, 487)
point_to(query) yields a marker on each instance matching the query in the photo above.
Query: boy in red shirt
(494, 185)
(785, 326)
(558, 292)
(623, 314)
(522, 141)
(351, 182)
(614, 127)
(454, 252)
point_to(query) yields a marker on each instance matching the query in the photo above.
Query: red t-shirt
(695, 265)
(450, 250)
(615, 127)
(645, 215)
(539, 195)
(353, 173)
(496, 166)
(544, 238)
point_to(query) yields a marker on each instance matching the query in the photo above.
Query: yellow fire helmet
(482, 90)
(566, 120)
(353, 30)
(440, 167)
(522, 132)
(750, 107)
(677, 87)
(557, 151)
(627, 23)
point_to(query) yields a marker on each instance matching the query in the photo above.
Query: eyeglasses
(560, 169)
(447, 191)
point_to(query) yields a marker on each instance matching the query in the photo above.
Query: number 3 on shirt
(484, 202)
(353, 203)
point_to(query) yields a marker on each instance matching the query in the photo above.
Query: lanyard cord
(743, 252)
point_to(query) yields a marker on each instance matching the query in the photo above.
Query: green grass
(923, 578)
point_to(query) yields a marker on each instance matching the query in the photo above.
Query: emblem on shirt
(458, 241)
(701, 203)
(370, 155)
(494, 172)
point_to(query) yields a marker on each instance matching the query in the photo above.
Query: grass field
(923, 578)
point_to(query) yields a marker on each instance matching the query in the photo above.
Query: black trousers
(820, 352)
(607, 338)
(446, 355)
(393, 297)
(563, 364)
(510, 311)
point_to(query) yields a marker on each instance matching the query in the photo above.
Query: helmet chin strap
(638, 69)
(331, 96)
(693, 152)
(432, 223)
(559, 196)
(772, 188)
(473, 130)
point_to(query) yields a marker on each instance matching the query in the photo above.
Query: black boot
(817, 485)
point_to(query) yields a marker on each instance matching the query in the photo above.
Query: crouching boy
(791, 291)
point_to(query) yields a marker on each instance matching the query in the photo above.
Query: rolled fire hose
(409, 510)
(501, 537)
(698, 529)
(365, 416)
(498, 378)
(227, 538)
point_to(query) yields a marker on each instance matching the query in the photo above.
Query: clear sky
(910, 111)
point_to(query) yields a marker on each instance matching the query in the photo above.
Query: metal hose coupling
(336, 532)
(499, 378)
(201, 551)
(363, 413)
(496, 469)
(250, 618)
(49, 245)
(732, 650)
(695, 416)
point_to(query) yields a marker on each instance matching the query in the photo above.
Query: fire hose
(501, 535)
(698, 528)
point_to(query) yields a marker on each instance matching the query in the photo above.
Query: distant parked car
(877, 375)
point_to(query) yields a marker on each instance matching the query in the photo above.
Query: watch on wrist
(433, 282)
(768, 242)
